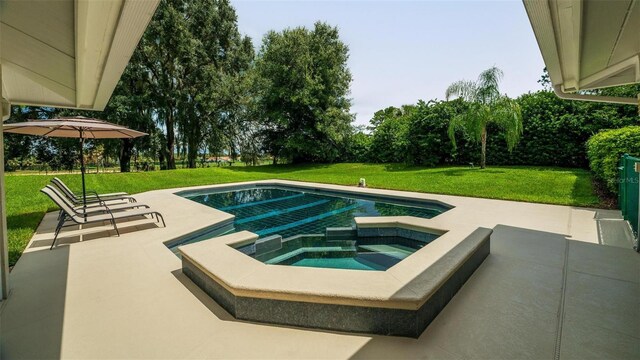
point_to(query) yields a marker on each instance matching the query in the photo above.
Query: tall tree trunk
(483, 141)
(125, 155)
(171, 141)
(192, 155)
(161, 159)
(192, 140)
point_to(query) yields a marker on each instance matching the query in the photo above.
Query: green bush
(554, 134)
(356, 148)
(556, 130)
(389, 141)
(604, 150)
(428, 141)
(12, 165)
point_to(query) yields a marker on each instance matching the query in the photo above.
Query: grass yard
(26, 205)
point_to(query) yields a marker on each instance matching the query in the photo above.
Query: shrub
(555, 132)
(357, 147)
(389, 141)
(12, 165)
(604, 150)
(428, 141)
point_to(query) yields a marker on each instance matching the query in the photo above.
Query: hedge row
(555, 133)
(604, 150)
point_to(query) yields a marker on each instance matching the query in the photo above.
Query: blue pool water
(356, 253)
(301, 219)
(267, 211)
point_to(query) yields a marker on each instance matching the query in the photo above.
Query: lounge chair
(95, 208)
(70, 214)
(93, 197)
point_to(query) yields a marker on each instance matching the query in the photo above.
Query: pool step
(345, 252)
(396, 251)
(340, 233)
(268, 244)
(377, 261)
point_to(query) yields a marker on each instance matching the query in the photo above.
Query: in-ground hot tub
(339, 248)
(383, 274)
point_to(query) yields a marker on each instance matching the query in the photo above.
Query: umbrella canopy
(73, 127)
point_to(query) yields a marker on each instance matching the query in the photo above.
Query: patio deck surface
(548, 290)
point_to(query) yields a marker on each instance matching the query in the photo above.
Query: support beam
(4, 248)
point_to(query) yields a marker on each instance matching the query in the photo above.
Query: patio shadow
(529, 299)
(205, 299)
(74, 234)
(32, 324)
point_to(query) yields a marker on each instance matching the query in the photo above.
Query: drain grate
(615, 232)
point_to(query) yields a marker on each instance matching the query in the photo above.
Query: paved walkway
(548, 290)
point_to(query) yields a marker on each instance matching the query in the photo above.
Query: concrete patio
(549, 289)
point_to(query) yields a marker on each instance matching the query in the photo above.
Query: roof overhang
(588, 44)
(68, 53)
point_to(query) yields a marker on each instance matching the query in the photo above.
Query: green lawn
(26, 205)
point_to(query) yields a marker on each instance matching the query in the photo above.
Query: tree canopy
(192, 55)
(302, 84)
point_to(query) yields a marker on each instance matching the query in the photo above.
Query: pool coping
(432, 289)
(235, 279)
(245, 274)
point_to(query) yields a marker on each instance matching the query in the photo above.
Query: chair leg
(113, 222)
(55, 238)
(58, 228)
(162, 218)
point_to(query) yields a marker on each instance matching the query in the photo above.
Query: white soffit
(588, 44)
(68, 53)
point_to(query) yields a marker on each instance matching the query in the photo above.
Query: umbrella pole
(84, 190)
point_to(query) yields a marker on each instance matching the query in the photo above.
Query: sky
(404, 51)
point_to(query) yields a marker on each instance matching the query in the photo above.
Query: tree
(381, 115)
(357, 146)
(130, 105)
(219, 59)
(486, 106)
(389, 141)
(428, 142)
(303, 82)
(545, 80)
(163, 47)
(192, 51)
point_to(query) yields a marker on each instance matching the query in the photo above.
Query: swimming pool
(331, 255)
(299, 218)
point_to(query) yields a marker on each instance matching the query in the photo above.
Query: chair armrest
(95, 193)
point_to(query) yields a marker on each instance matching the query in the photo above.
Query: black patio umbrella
(73, 127)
